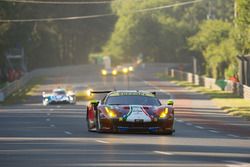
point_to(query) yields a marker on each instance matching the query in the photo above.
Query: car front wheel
(98, 123)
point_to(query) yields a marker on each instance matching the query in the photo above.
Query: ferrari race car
(125, 111)
(59, 96)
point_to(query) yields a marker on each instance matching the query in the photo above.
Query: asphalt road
(32, 135)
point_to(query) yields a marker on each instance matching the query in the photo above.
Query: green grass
(227, 101)
(22, 94)
(2, 84)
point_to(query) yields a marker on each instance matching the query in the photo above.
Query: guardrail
(211, 83)
(54, 71)
(14, 86)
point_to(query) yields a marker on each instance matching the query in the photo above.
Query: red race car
(130, 110)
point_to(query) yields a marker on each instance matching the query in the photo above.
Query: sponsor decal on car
(137, 114)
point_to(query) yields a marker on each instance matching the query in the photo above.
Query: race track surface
(32, 135)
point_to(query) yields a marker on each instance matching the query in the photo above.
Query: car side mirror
(94, 102)
(170, 102)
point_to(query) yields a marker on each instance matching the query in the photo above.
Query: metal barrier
(55, 71)
(14, 86)
(236, 88)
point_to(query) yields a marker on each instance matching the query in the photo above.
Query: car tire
(88, 124)
(98, 124)
(170, 133)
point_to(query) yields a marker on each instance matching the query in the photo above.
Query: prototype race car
(125, 69)
(109, 71)
(136, 111)
(59, 96)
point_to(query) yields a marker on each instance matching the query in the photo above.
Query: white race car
(59, 96)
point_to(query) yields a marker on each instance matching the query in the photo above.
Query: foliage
(206, 29)
(53, 43)
(242, 33)
(220, 41)
(150, 34)
(159, 35)
(216, 45)
(243, 15)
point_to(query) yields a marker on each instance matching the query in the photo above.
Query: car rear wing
(108, 91)
(154, 93)
(100, 91)
(45, 95)
(91, 92)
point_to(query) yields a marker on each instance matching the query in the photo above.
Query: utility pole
(235, 9)
(235, 13)
(210, 14)
(209, 10)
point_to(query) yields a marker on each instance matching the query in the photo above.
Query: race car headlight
(125, 70)
(104, 72)
(164, 113)
(114, 72)
(110, 113)
(89, 92)
(131, 68)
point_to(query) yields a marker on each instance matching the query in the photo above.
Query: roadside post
(1, 96)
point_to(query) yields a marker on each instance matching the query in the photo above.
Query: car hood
(58, 97)
(142, 111)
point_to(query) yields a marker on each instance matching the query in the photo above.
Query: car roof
(58, 90)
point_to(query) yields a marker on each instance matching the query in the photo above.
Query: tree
(60, 42)
(242, 32)
(155, 35)
(214, 41)
(159, 35)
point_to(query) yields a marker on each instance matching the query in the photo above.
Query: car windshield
(60, 92)
(133, 100)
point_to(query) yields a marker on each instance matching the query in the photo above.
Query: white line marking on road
(189, 124)
(231, 135)
(43, 109)
(58, 106)
(199, 127)
(51, 109)
(48, 114)
(67, 132)
(179, 120)
(47, 119)
(101, 141)
(163, 152)
(52, 125)
(213, 131)
(237, 164)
